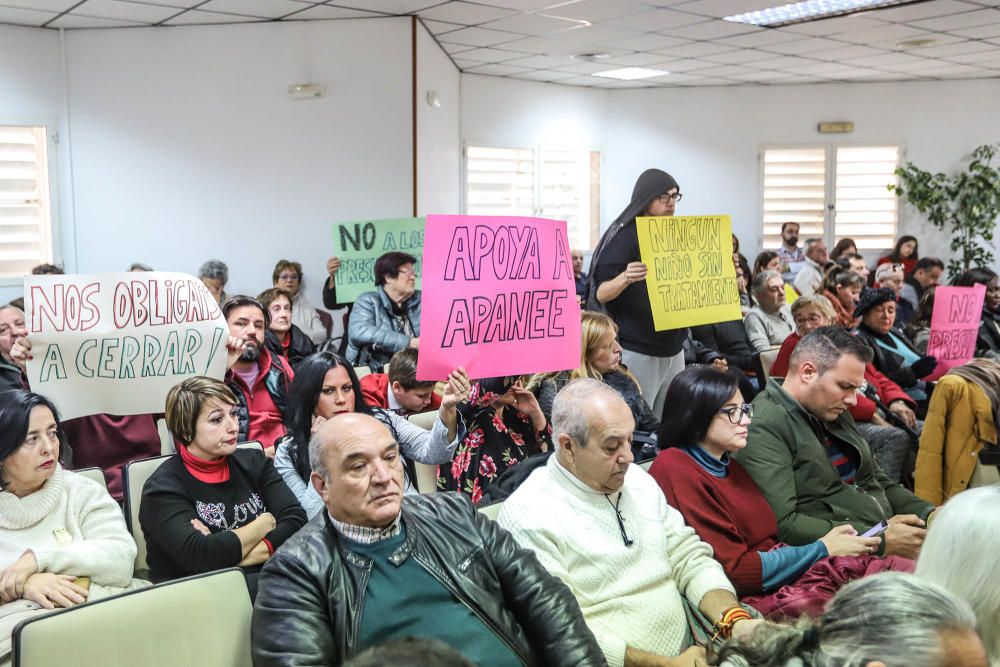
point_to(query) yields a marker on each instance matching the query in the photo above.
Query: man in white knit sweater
(603, 526)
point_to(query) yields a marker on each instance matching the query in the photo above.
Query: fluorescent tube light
(810, 10)
(630, 73)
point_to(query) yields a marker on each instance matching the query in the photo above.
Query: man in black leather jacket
(375, 566)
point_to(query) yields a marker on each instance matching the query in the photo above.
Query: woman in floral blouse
(505, 426)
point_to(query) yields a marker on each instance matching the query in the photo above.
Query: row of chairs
(153, 626)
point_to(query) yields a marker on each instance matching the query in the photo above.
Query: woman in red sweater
(727, 510)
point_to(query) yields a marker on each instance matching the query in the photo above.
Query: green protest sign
(359, 244)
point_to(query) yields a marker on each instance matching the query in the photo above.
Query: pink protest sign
(499, 297)
(954, 326)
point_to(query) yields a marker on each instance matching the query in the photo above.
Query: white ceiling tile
(962, 48)
(578, 67)
(466, 13)
(496, 70)
(441, 27)
(127, 11)
(711, 82)
(490, 55)
(821, 69)
(977, 58)
(712, 30)
(761, 39)
(595, 11)
(796, 80)
(784, 63)
(834, 26)
(687, 65)
(27, 17)
(957, 21)
(952, 69)
(478, 37)
(720, 8)
(539, 62)
(74, 21)
(533, 24)
(536, 45)
(801, 46)
(268, 9)
(545, 75)
(637, 60)
(589, 81)
(847, 52)
(887, 33)
(595, 34)
(195, 17)
(725, 71)
(657, 19)
(521, 5)
(41, 5)
(738, 57)
(695, 50)
(650, 41)
(916, 66)
(387, 6)
(981, 32)
(182, 4)
(895, 58)
(760, 76)
(325, 12)
(922, 10)
(455, 49)
(465, 64)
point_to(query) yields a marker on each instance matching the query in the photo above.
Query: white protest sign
(117, 342)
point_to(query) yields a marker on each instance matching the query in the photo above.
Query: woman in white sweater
(63, 539)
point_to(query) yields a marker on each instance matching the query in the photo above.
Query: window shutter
(25, 239)
(794, 191)
(500, 181)
(865, 209)
(565, 192)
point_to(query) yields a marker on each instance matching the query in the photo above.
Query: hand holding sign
(692, 279)
(498, 298)
(954, 326)
(118, 342)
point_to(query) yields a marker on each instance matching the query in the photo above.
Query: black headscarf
(651, 184)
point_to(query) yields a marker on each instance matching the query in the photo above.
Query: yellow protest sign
(691, 278)
(790, 294)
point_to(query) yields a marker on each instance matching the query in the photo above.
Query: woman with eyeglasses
(728, 511)
(287, 275)
(618, 285)
(387, 319)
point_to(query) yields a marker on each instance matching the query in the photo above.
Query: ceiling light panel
(630, 73)
(809, 10)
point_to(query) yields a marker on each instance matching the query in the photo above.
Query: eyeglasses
(621, 520)
(288, 276)
(736, 415)
(406, 272)
(675, 197)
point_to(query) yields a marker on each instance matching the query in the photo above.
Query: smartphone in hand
(876, 530)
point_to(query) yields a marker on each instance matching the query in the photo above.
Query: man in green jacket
(805, 453)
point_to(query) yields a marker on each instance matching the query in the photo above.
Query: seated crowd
(807, 489)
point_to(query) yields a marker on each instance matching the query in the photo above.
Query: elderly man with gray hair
(809, 279)
(607, 531)
(770, 322)
(377, 566)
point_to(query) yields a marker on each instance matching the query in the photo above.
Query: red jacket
(887, 390)
(266, 418)
(375, 390)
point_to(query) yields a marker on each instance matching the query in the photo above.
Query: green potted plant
(965, 205)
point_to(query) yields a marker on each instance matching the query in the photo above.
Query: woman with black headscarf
(618, 284)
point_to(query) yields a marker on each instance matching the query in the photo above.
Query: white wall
(31, 93)
(709, 138)
(439, 149)
(186, 145)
